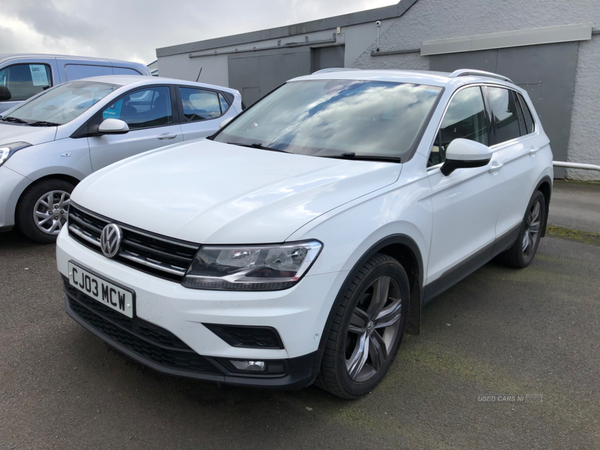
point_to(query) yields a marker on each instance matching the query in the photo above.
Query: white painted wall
(442, 19)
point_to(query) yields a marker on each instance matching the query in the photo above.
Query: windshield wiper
(259, 146)
(352, 155)
(43, 123)
(13, 119)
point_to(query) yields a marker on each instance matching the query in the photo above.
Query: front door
(149, 114)
(465, 203)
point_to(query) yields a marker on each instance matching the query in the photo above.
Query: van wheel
(525, 247)
(43, 209)
(367, 329)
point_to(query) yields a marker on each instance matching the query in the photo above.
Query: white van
(25, 75)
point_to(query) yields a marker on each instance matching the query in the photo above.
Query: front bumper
(168, 332)
(12, 186)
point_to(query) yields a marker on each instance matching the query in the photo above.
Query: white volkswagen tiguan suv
(299, 243)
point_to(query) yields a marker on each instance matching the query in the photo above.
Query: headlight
(251, 267)
(7, 150)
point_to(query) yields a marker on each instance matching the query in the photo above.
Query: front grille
(143, 338)
(148, 252)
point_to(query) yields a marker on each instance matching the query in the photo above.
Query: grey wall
(441, 19)
(534, 69)
(258, 73)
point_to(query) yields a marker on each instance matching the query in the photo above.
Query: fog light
(250, 366)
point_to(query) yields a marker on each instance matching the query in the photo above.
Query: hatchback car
(51, 142)
(300, 242)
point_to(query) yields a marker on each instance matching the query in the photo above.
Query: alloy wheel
(532, 228)
(373, 328)
(51, 211)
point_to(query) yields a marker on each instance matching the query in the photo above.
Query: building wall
(355, 38)
(440, 19)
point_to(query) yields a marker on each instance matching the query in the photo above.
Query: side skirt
(470, 265)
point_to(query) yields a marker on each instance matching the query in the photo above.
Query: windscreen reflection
(328, 118)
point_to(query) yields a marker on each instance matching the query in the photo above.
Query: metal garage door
(547, 72)
(256, 74)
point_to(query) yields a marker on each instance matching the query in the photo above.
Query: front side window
(465, 118)
(199, 104)
(504, 111)
(62, 103)
(25, 80)
(144, 108)
(337, 118)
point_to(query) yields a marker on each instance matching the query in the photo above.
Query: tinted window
(527, 114)
(224, 104)
(143, 108)
(124, 71)
(78, 71)
(465, 118)
(522, 126)
(199, 104)
(332, 117)
(504, 110)
(63, 103)
(25, 80)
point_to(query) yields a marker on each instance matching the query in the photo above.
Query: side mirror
(4, 94)
(113, 126)
(463, 153)
(225, 122)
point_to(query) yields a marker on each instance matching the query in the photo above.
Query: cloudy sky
(133, 29)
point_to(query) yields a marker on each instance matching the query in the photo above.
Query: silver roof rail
(334, 69)
(481, 73)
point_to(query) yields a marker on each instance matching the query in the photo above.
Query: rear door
(202, 110)
(465, 203)
(151, 115)
(518, 142)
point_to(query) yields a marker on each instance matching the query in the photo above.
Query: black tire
(31, 202)
(358, 317)
(523, 250)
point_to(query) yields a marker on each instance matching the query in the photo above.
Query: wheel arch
(545, 187)
(406, 251)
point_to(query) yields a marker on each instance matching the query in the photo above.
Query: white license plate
(107, 293)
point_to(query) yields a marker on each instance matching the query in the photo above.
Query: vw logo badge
(110, 240)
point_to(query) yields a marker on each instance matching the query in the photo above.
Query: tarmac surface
(501, 332)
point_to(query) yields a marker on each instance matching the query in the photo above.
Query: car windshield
(336, 118)
(61, 104)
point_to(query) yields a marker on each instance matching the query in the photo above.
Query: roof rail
(482, 73)
(334, 69)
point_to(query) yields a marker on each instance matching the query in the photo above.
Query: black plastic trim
(450, 165)
(223, 331)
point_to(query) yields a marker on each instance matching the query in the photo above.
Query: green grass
(569, 234)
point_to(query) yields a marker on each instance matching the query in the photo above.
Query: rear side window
(199, 104)
(25, 80)
(224, 104)
(144, 108)
(527, 114)
(504, 114)
(465, 118)
(78, 71)
(124, 71)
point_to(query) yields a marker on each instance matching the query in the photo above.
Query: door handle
(496, 166)
(167, 136)
(533, 150)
